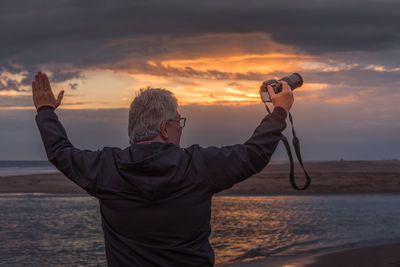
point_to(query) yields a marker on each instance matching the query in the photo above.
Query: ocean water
(29, 167)
(65, 230)
(25, 167)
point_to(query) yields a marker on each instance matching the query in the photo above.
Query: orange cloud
(264, 63)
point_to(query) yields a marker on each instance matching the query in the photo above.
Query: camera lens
(295, 80)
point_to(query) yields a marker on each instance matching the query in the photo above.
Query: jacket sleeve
(80, 166)
(229, 165)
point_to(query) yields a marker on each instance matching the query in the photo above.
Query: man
(155, 197)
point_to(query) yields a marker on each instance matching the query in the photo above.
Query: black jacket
(155, 199)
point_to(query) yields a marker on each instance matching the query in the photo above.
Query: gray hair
(149, 108)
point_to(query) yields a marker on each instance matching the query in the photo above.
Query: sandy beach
(386, 255)
(42, 183)
(327, 177)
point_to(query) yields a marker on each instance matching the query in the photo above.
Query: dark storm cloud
(9, 85)
(355, 77)
(60, 76)
(88, 33)
(213, 74)
(47, 35)
(28, 76)
(73, 86)
(56, 76)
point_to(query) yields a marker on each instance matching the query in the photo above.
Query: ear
(163, 130)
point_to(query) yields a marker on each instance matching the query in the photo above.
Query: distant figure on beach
(154, 196)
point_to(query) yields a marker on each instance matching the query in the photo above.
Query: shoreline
(328, 178)
(386, 254)
(53, 183)
(331, 177)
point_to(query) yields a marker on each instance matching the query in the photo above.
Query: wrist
(280, 111)
(282, 107)
(45, 107)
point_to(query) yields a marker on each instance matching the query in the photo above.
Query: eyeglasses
(182, 121)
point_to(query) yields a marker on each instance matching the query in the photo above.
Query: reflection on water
(43, 230)
(249, 228)
(48, 230)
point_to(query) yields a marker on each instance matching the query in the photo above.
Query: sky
(213, 55)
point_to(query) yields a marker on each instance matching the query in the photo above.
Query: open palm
(42, 93)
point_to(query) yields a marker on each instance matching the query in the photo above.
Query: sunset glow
(213, 56)
(102, 88)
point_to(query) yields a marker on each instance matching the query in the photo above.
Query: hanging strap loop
(296, 145)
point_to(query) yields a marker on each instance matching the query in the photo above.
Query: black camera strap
(296, 145)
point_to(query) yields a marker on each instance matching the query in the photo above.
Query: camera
(295, 81)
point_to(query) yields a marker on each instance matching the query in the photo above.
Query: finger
(270, 91)
(46, 80)
(33, 87)
(37, 81)
(41, 81)
(59, 98)
(285, 86)
(47, 85)
(36, 86)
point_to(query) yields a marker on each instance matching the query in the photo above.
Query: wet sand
(42, 183)
(327, 177)
(375, 256)
(387, 255)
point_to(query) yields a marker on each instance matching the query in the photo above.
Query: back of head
(149, 108)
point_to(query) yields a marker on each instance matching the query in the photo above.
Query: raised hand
(283, 99)
(42, 93)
